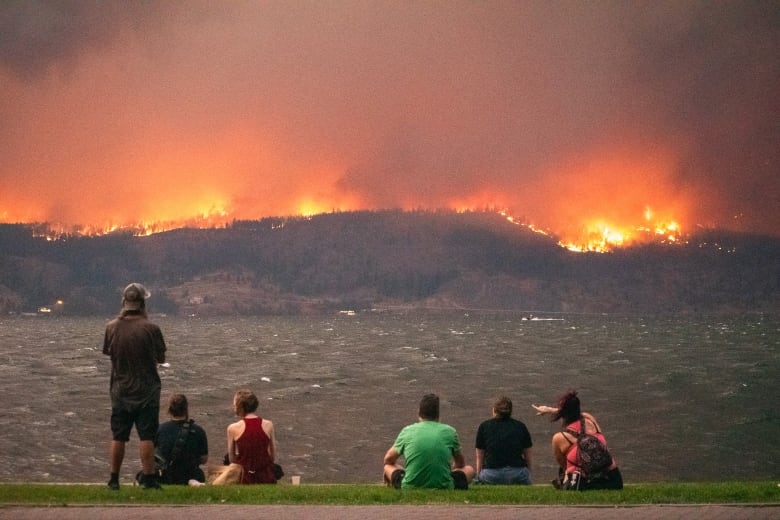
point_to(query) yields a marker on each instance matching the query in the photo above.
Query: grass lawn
(372, 494)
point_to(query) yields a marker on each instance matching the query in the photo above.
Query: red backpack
(593, 457)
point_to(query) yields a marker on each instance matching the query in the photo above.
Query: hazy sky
(560, 111)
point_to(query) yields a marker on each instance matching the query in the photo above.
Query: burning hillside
(364, 260)
(597, 236)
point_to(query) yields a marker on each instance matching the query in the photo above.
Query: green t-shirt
(427, 448)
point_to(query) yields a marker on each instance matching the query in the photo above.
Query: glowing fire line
(597, 236)
(602, 237)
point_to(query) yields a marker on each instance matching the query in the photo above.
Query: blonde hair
(245, 402)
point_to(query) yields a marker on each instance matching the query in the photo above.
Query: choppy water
(679, 399)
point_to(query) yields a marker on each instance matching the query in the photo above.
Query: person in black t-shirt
(503, 447)
(181, 465)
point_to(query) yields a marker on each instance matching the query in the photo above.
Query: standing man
(136, 346)
(431, 451)
(503, 447)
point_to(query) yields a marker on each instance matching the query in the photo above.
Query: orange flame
(597, 235)
(602, 237)
(608, 199)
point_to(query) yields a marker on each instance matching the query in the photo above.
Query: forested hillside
(366, 260)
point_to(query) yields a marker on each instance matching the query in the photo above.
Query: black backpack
(592, 454)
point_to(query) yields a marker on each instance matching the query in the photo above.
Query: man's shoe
(113, 485)
(150, 482)
(396, 478)
(460, 480)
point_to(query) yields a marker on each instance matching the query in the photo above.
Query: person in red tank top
(564, 445)
(251, 441)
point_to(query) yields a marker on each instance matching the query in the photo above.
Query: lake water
(680, 399)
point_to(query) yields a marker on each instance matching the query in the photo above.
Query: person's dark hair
(177, 406)
(503, 406)
(140, 310)
(429, 407)
(568, 408)
(246, 402)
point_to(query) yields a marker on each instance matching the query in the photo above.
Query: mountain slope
(382, 259)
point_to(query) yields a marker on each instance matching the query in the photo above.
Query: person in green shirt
(431, 452)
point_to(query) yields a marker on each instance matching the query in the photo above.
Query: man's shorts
(146, 420)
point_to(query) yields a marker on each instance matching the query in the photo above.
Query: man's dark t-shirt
(504, 440)
(186, 466)
(136, 346)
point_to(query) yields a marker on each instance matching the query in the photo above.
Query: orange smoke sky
(562, 113)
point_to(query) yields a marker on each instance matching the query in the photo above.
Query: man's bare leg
(117, 456)
(389, 470)
(147, 457)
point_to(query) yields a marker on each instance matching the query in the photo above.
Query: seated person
(251, 445)
(571, 475)
(431, 451)
(503, 447)
(182, 445)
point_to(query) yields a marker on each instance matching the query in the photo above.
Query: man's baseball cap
(134, 296)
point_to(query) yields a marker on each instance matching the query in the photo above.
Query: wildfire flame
(214, 217)
(601, 236)
(588, 204)
(598, 236)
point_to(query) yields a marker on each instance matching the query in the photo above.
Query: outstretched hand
(542, 409)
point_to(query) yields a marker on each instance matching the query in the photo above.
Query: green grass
(358, 494)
